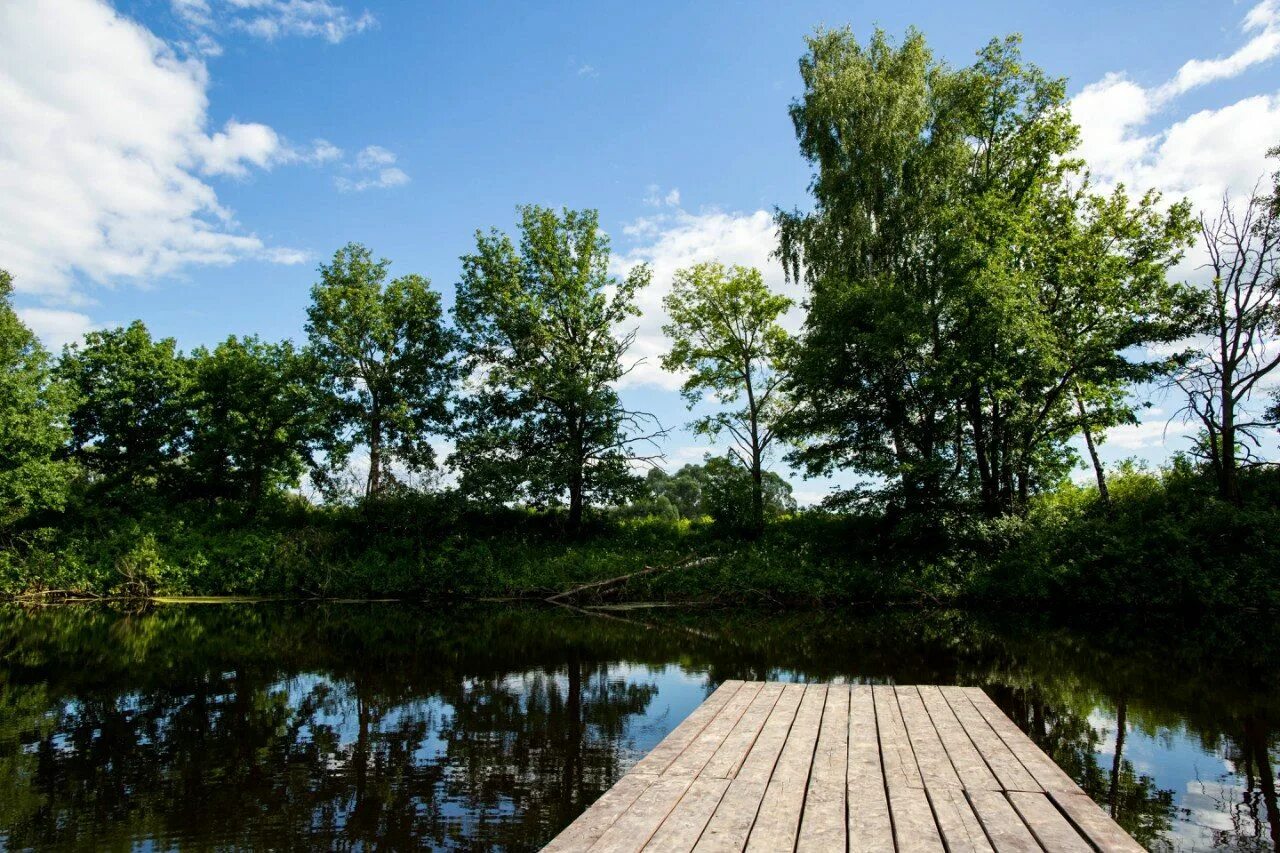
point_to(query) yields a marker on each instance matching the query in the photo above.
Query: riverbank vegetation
(975, 310)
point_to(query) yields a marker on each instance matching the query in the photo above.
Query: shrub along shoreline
(1166, 542)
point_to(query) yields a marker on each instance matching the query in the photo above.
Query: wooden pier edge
(767, 766)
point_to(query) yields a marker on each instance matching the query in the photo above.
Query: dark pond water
(344, 726)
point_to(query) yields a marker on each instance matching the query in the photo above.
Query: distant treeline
(973, 307)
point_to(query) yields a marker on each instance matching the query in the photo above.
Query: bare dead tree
(1242, 331)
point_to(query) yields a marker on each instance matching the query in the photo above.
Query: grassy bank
(1165, 541)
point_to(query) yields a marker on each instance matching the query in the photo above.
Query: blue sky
(189, 162)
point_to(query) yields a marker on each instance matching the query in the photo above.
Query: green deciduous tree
(385, 360)
(720, 488)
(255, 418)
(542, 421)
(973, 306)
(888, 154)
(724, 332)
(728, 495)
(1104, 296)
(33, 421)
(130, 419)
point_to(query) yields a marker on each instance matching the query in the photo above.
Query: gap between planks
(768, 766)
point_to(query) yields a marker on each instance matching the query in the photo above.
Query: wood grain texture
(778, 821)
(733, 751)
(683, 827)
(1006, 767)
(916, 769)
(870, 829)
(704, 745)
(968, 762)
(596, 820)
(824, 825)
(1094, 823)
(1050, 776)
(1054, 832)
(634, 827)
(1003, 825)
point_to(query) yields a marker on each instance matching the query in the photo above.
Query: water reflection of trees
(446, 750)
(491, 728)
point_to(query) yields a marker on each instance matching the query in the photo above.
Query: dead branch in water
(598, 586)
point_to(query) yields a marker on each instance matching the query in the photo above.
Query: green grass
(1167, 542)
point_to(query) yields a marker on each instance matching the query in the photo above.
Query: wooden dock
(770, 767)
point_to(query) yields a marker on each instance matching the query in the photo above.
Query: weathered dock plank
(634, 827)
(661, 756)
(696, 755)
(1094, 823)
(870, 829)
(767, 766)
(824, 825)
(778, 820)
(683, 827)
(1008, 770)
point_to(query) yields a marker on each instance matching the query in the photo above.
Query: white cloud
(655, 197)
(670, 241)
(56, 327)
(103, 139)
(1147, 435)
(373, 156)
(270, 19)
(587, 71)
(379, 172)
(1264, 21)
(1199, 156)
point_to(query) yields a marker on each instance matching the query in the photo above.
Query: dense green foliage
(544, 423)
(33, 421)
(720, 489)
(130, 417)
(258, 419)
(1167, 542)
(972, 309)
(724, 332)
(383, 359)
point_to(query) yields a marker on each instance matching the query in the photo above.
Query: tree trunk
(1228, 485)
(375, 453)
(985, 477)
(757, 498)
(575, 500)
(1099, 472)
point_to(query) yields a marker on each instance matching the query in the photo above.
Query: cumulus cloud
(104, 151)
(376, 169)
(672, 240)
(56, 327)
(1200, 155)
(1148, 435)
(270, 20)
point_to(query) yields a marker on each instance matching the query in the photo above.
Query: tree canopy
(130, 420)
(541, 419)
(384, 358)
(33, 420)
(256, 419)
(724, 332)
(972, 305)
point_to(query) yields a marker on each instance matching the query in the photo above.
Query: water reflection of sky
(1208, 794)
(472, 742)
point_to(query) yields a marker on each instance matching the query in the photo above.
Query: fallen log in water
(608, 583)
